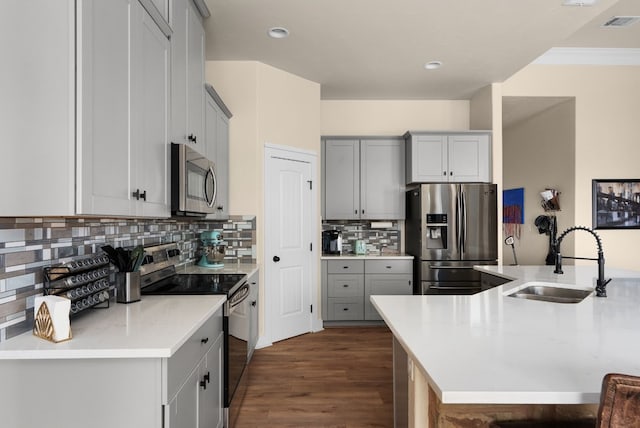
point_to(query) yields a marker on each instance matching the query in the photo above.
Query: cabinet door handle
(345, 309)
(276, 259)
(345, 267)
(143, 195)
(254, 303)
(207, 377)
(444, 172)
(355, 212)
(192, 138)
(388, 267)
(346, 285)
(136, 194)
(450, 172)
(204, 341)
(203, 384)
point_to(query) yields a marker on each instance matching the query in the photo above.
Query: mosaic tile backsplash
(384, 241)
(29, 244)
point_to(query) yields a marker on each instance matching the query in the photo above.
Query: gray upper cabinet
(363, 178)
(187, 75)
(448, 157)
(217, 148)
(101, 131)
(341, 164)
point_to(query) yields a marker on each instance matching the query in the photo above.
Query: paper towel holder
(43, 325)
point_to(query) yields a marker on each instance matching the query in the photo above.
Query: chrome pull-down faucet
(601, 283)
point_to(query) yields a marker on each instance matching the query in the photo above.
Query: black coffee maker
(331, 242)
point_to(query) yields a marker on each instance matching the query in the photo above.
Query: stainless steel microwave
(193, 182)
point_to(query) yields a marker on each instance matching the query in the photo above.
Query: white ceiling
(376, 49)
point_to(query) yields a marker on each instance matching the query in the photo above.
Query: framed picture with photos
(616, 203)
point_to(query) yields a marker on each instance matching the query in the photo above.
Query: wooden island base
(437, 414)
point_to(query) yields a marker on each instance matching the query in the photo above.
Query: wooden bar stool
(619, 402)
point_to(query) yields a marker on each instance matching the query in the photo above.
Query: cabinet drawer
(389, 266)
(345, 285)
(182, 363)
(384, 285)
(346, 266)
(345, 309)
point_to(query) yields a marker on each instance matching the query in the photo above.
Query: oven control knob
(276, 259)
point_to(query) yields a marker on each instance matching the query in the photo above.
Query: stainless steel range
(159, 277)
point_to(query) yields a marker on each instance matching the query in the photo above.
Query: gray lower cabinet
(347, 286)
(183, 391)
(198, 399)
(254, 281)
(363, 178)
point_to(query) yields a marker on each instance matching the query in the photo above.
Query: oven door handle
(239, 296)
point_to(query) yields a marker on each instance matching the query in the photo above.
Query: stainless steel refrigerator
(449, 228)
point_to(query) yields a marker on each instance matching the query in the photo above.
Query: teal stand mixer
(213, 250)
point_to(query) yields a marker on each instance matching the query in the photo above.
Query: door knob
(276, 259)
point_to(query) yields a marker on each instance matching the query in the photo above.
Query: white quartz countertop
(367, 257)
(154, 327)
(246, 268)
(491, 348)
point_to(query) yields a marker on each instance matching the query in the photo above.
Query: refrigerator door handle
(458, 222)
(463, 199)
(450, 267)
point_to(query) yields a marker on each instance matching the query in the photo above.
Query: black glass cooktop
(222, 283)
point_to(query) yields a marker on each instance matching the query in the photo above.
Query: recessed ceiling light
(278, 32)
(432, 65)
(579, 2)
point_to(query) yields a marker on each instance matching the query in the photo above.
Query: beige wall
(607, 131)
(268, 106)
(485, 112)
(539, 153)
(392, 117)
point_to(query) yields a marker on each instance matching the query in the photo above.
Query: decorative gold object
(43, 325)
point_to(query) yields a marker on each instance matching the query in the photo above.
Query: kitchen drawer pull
(204, 341)
(345, 267)
(345, 285)
(388, 267)
(345, 309)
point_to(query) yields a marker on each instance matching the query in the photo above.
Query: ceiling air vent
(621, 21)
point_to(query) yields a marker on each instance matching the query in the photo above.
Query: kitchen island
(493, 357)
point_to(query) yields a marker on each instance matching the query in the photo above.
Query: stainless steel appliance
(449, 229)
(159, 277)
(331, 242)
(193, 182)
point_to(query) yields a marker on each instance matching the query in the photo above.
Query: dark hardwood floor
(340, 377)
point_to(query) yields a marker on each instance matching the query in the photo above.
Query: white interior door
(289, 233)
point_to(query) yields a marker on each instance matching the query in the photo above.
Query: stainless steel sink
(550, 292)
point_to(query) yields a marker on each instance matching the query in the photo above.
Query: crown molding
(590, 56)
